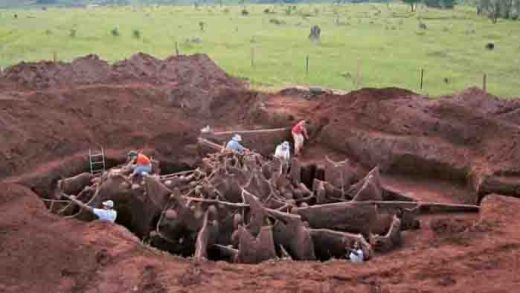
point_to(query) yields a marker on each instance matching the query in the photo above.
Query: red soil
(50, 114)
(42, 252)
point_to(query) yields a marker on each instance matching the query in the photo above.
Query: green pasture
(362, 45)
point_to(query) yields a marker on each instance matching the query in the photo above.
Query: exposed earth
(459, 149)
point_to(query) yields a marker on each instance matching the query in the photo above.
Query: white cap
(108, 203)
(237, 137)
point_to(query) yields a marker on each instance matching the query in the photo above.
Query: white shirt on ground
(356, 256)
(105, 215)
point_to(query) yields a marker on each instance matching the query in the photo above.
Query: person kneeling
(141, 164)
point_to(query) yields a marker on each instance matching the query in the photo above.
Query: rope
(176, 173)
(87, 203)
(54, 200)
(214, 201)
(251, 130)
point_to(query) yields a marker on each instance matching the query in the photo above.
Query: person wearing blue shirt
(106, 214)
(234, 144)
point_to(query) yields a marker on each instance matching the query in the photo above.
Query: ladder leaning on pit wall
(96, 161)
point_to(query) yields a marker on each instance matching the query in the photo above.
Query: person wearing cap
(140, 163)
(299, 134)
(356, 253)
(283, 151)
(234, 144)
(106, 214)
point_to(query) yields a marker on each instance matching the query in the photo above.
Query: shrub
(136, 33)
(115, 32)
(72, 33)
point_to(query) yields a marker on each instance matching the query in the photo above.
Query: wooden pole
(252, 56)
(484, 80)
(176, 48)
(422, 77)
(358, 73)
(54, 56)
(307, 64)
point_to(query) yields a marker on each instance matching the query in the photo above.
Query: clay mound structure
(426, 186)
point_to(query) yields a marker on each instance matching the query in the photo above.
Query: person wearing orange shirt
(140, 163)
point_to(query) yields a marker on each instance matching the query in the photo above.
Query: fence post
(54, 56)
(252, 56)
(358, 73)
(422, 78)
(484, 81)
(176, 48)
(307, 64)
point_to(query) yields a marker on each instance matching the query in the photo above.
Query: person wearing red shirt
(299, 134)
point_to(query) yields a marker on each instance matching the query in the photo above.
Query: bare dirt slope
(51, 114)
(41, 252)
(470, 137)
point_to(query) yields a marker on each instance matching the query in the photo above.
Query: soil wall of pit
(50, 111)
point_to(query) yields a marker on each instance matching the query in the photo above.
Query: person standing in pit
(299, 134)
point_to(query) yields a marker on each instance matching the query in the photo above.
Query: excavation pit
(249, 208)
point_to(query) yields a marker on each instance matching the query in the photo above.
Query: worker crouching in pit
(106, 214)
(139, 163)
(235, 145)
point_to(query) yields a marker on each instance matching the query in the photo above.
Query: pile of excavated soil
(196, 71)
(470, 138)
(142, 102)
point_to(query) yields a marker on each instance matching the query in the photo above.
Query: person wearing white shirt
(283, 151)
(356, 254)
(106, 214)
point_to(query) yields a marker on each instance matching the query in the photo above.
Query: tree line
(494, 9)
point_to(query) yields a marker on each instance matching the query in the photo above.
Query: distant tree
(412, 3)
(494, 9)
(447, 4)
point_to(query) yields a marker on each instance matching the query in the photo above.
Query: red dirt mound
(469, 138)
(196, 71)
(84, 104)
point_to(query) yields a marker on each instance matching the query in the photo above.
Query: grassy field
(382, 45)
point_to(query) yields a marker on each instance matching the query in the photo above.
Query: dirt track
(50, 114)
